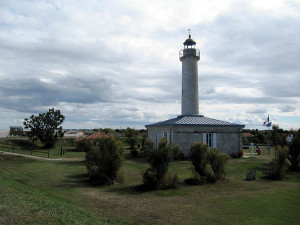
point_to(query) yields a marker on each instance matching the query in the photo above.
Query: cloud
(257, 110)
(116, 63)
(24, 94)
(287, 108)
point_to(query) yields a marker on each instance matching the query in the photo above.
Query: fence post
(31, 150)
(61, 151)
(13, 147)
(48, 152)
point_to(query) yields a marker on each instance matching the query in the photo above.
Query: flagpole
(269, 140)
(268, 124)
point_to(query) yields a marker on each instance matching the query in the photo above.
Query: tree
(262, 138)
(277, 136)
(132, 139)
(131, 135)
(45, 127)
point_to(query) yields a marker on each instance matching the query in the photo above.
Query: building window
(166, 136)
(210, 139)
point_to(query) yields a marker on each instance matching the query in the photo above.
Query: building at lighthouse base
(186, 130)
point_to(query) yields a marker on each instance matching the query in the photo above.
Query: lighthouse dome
(189, 41)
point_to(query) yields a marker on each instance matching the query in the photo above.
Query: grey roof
(194, 120)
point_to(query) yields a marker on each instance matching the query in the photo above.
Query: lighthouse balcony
(189, 53)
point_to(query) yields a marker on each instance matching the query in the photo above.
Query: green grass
(58, 192)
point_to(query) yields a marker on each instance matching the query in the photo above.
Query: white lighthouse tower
(190, 127)
(189, 56)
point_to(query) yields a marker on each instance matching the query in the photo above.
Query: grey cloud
(257, 110)
(287, 108)
(253, 40)
(25, 94)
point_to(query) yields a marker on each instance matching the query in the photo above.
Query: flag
(268, 123)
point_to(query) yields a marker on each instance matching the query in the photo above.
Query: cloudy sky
(115, 63)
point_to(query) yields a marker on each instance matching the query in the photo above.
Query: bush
(199, 159)
(279, 165)
(120, 177)
(84, 145)
(149, 145)
(150, 179)
(104, 160)
(157, 177)
(294, 152)
(217, 163)
(169, 181)
(134, 152)
(208, 164)
(177, 154)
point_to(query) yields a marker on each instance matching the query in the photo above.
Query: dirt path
(40, 158)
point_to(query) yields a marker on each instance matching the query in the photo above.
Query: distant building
(93, 136)
(247, 137)
(190, 127)
(16, 131)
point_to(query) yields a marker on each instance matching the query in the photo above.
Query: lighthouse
(189, 57)
(190, 127)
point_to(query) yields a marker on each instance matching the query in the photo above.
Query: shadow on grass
(72, 162)
(139, 160)
(143, 189)
(77, 181)
(119, 188)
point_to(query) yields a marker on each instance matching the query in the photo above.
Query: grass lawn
(58, 192)
(23, 146)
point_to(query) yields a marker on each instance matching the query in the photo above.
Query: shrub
(149, 145)
(157, 177)
(104, 160)
(177, 154)
(199, 159)
(208, 164)
(150, 179)
(84, 145)
(279, 165)
(169, 181)
(120, 177)
(217, 163)
(134, 152)
(294, 152)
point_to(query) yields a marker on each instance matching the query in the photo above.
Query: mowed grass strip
(59, 193)
(26, 199)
